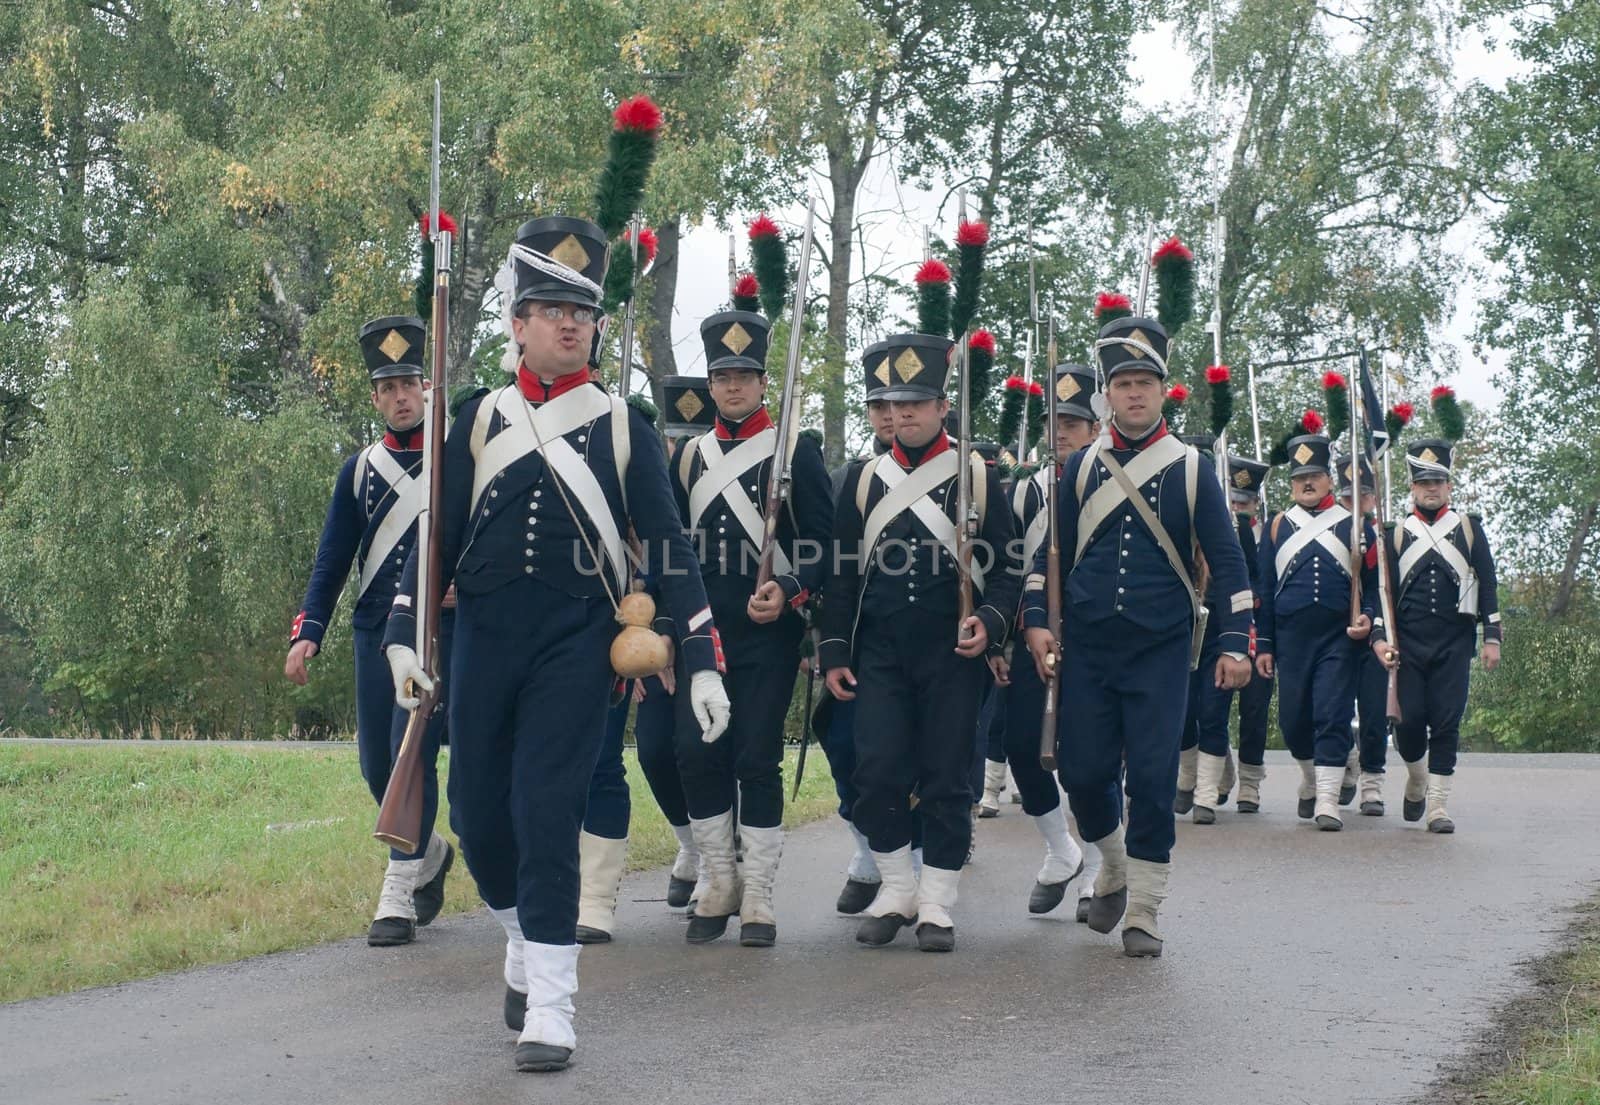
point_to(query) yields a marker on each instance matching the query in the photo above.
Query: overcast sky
(898, 214)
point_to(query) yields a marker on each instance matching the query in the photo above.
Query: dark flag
(1372, 412)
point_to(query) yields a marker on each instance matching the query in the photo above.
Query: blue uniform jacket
(1313, 577)
(1433, 591)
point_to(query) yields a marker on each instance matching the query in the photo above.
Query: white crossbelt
(909, 491)
(402, 514)
(1310, 527)
(1039, 527)
(1436, 538)
(554, 420)
(1108, 498)
(720, 475)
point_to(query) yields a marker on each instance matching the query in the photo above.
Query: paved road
(1300, 967)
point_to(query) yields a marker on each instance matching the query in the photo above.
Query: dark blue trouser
(1316, 666)
(1024, 706)
(531, 680)
(1123, 699)
(610, 805)
(381, 726)
(996, 751)
(915, 727)
(1255, 702)
(838, 740)
(1435, 665)
(1372, 705)
(653, 724)
(990, 714)
(1206, 718)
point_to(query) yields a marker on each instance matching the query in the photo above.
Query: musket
(778, 486)
(629, 317)
(1032, 339)
(733, 265)
(400, 814)
(1144, 268)
(966, 507)
(805, 728)
(1356, 518)
(1052, 570)
(1385, 584)
(1218, 232)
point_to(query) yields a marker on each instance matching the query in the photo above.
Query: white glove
(710, 702)
(407, 668)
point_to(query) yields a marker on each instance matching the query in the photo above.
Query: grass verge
(120, 861)
(1545, 1049)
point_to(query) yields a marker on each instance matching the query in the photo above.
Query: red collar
(1420, 513)
(411, 439)
(940, 444)
(754, 422)
(1155, 435)
(535, 390)
(1326, 503)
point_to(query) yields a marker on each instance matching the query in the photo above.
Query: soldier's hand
(977, 643)
(448, 600)
(1387, 654)
(709, 700)
(766, 604)
(1264, 664)
(1491, 655)
(1232, 673)
(1046, 652)
(668, 675)
(409, 678)
(841, 683)
(294, 668)
(1001, 669)
(1361, 629)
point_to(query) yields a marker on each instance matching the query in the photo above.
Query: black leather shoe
(1347, 794)
(1105, 912)
(703, 930)
(1204, 816)
(935, 938)
(1372, 808)
(856, 896)
(516, 1009)
(587, 934)
(1184, 802)
(1139, 944)
(878, 932)
(391, 932)
(678, 891)
(757, 935)
(1441, 825)
(1306, 808)
(1328, 823)
(1083, 910)
(542, 1057)
(1412, 811)
(1247, 806)
(1045, 896)
(429, 897)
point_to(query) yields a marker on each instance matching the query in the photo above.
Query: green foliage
(1545, 696)
(769, 260)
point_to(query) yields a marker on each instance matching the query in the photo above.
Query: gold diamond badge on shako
(570, 252)
(907, 366)
(689, 405)
(1067, 387)
(1136, 336)
(737, 339)
(394, 345)
(1241, 478)
(1428, 455)
(1303, 454)
(882, 373)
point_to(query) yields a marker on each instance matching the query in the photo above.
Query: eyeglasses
(552, 312)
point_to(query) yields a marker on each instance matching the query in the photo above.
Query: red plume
(1405, 412)
(746, 287)
(1172, 247)
(1016, 383)
(648, 244)
(763, 227)
(446, 223)
(1217, 374)
(638, 114)
(1177, 393)
(982, 339)
(1312, 422)
(933, 271)
(1036, 389)
(1333, 380)
(1111, 301)
(1441, 392)
(972, 234)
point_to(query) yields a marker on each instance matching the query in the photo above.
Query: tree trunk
(841, 226)
(1569, 571)
(659, 358)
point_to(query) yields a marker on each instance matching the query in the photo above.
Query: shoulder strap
(1157, 530)
(480, 421)
(980, 485)
(1085, 465)
(1277, 525)
(1468, 528)
(691, 446)
(864, 484)
(363, 458)
(621, 447)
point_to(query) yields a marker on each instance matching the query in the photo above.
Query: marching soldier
(1077, 426)
(542, 479)
(1372, 680)
(1131, 509)
(1445, 578)
(1305, 578)
(372, 523)
(894, 643)
(721, 480)
(1245, 477)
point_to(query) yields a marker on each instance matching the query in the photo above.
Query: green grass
(120, 861)
(1559, 1062)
